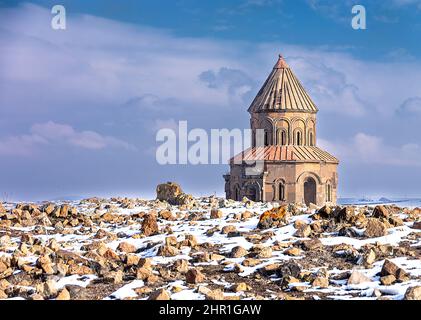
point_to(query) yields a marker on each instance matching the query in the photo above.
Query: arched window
(328, 192)
(266, 138)
(237, 194)
(282, 137)
(281, 191)
(298, 139)
(310, 138)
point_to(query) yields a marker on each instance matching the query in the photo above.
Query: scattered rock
(167, 215)
(287, 281)
(216, 257)
(413, 293)
(149, 225)
(246, 215)
(242, 286)
(369, 257)
(48, 289)
(181, 266)
(345, 214)
(190, 241)
(145, 263)
(289, 269)
(228, 229)
(250, 262)
(132, 260)
(357, 278)
(293, 252)
(264, 253)
(324, 213)
(216, 294)
(109, 254)
(312, 244)
(114, 277)
(168, 192)
(216, 214)
(36, 296)
(194, 276)
(273, 218)
(143, 273)
(168, 251)
(298, 224)
(171, 241)
(389, 268)
(3, 295)
(160, 294)
(63, 295)
(417, 225)
(395, 221)
(238, 252)
(387, 280)
(402, 275)
(375, 228)
(303, 231)
(381, 212)
(171, 192)
(126, 247)
(321, 282)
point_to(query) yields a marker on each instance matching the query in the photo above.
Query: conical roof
(282, 91)
(288, 153)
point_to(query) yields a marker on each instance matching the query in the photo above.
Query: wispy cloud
(402, 3)
(410, 107)
(368, 149)
(236, 82)
(51, 133)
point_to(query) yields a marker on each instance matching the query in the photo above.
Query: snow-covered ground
(226, 271)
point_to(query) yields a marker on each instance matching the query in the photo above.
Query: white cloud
(410, 107)
(165, 124)
(330, 87)
(368, 149)
(20, 145)
(51, 133)
(236, 83)
(99, 63)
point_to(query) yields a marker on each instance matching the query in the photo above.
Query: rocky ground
(178, 247)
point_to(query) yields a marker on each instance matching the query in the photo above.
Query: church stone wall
(290, 122)
(292, 176)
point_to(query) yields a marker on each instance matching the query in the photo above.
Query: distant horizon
(152, 196)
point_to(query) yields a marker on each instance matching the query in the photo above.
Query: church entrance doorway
(251, 193)
(310, 191)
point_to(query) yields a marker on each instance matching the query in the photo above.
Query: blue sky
(79, 109)
(392, 24)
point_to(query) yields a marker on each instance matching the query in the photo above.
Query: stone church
(295, 170)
